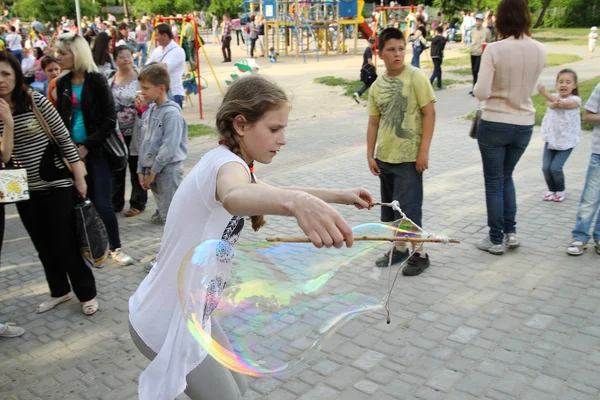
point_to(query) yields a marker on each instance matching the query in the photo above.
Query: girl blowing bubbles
(210, 205)
(561, 128)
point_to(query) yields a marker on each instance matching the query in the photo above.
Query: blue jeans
(554, 161)
(143, 47)
(18, 54)
(416, 58)
(590, 203)
(501, 146)
(177, 98)
(451, 34)
(468, 36)
(99, 181)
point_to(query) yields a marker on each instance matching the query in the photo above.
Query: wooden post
(356, 36)
(337, 18)
(277, 25)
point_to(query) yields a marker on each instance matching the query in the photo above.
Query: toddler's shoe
(549, 196)
(559, 197)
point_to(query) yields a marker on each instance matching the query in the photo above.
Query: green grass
(448, 82)
(560, 59)
(540, 103)
(349, 86)
(196, 130)
(552, 60)
(460, 71)
(561, 31)
(556, 40)
(457, 61)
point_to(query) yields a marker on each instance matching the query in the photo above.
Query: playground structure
(192, 80)
(302, 27)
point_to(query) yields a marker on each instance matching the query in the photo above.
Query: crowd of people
(87, 88)
(222, 189)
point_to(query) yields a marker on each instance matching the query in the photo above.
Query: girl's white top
(562, 128)
(154, 309)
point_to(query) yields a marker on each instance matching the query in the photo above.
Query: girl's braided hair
(250, 97)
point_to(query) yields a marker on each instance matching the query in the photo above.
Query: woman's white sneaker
(120, 257)
(511, 241)
(486, 244)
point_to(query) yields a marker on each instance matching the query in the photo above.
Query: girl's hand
(83, 151)
(359, 197)
(5, 113)
(323, 225)
(541, 88)
(81, 187)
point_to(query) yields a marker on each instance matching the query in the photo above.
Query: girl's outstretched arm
(323, 225)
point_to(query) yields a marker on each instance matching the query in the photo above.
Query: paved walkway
(522, 326)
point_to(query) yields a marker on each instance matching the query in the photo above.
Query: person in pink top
(509, 72)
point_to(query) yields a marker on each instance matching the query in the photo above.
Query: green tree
(231, 7)
(164, 7)
(53, 9)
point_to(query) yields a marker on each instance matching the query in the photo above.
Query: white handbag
(13, 185)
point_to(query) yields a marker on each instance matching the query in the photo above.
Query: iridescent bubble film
(279, 302)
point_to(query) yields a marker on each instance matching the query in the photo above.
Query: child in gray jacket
(163, 132)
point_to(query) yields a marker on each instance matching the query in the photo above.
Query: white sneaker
(486, 244)
(120, 257)
(150, 264)
(356, 98)
(10, 330)
(511, 241)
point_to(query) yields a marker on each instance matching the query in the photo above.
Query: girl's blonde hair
(569, 71)
(79, 47)
(251, 98)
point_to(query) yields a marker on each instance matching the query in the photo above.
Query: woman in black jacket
(86, 105)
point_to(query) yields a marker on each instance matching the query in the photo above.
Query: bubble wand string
(428, 238)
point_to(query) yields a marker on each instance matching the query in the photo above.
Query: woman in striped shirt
(48, 214)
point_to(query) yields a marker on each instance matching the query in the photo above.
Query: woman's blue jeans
(143, 47)
(501, 146)
(554, 161)
(416, 58)
(590, 203)
(99, 181)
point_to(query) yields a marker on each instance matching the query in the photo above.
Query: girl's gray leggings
(209, 380)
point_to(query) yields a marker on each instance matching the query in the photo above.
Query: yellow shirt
(399, 101)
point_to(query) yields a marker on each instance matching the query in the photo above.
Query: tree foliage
(231, 7)
(164, 7)
(53, 9)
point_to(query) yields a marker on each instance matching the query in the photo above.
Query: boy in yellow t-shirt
(401, 120)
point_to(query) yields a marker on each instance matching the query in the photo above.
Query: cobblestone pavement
(473, 326)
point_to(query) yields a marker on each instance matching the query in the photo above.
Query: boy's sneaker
(120, 257)
(511, 241)
(10, 330)
(156, 219)
(486, 244)
(149, 265)
(397, 257)
(416, 264)
(577, 247)
(356, 98)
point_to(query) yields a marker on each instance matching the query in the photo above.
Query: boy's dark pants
(401, 182)
(437, 71)
(226, 48)
(475, 63)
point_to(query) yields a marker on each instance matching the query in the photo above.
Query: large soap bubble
(279, 302)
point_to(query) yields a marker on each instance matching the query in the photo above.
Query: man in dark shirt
(368, 71)
(437, 55)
